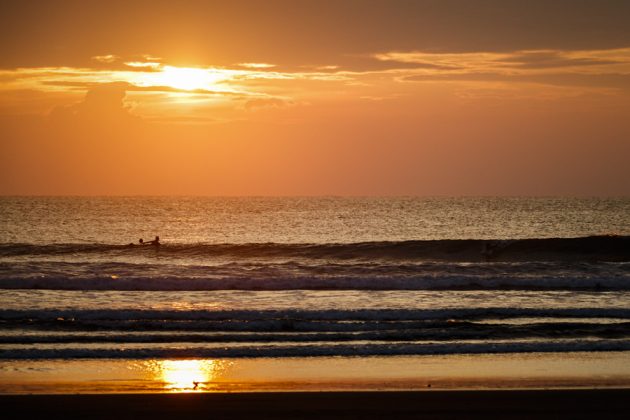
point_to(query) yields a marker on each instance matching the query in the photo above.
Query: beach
(569, 370)
(548, 404)
(513, 386)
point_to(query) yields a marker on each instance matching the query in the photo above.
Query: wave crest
(592, 248)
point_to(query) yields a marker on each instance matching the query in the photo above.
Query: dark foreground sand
(529, 404)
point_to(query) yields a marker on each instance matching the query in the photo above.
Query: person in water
(155, 242)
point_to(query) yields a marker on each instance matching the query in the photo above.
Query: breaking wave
(372, 349)
(592, 248)
(364, 282)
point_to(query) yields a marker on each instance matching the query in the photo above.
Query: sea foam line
(363, 282)
(459, 331)
(310, 315)
(319, 351)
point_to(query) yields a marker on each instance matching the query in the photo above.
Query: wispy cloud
(515, 62)
(256, 65)
(373, 77)
(108, 58)
(257, 103)
(143, 64)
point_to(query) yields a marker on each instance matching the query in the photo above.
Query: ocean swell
(592, 248)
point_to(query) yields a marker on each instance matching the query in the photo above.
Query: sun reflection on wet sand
(188, 375)
(485, 371)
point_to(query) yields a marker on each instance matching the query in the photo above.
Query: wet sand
(591, 386)
(525, 404)
(594, 370)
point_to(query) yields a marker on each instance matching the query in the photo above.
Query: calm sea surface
(284, 277)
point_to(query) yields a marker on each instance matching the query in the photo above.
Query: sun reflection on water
(188, 375)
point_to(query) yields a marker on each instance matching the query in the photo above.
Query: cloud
(129, 87)
(586, 69)
(104, 103)
(369, 76)
(187, 91)
(258, 103)
(256, 65)
(105, 98)
(554, 59)
(144, 65)
(107, 105)
(607, 81)
(600, 61)
(113, 62)
(108, 58)
(150, 57)
(375, 63)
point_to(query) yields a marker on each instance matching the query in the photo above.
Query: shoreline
(588, 403)
(531, 371)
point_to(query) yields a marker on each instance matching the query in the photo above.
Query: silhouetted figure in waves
(155, 242)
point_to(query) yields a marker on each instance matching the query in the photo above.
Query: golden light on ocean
(188, 375)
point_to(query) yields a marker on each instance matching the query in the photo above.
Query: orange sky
(315, 97)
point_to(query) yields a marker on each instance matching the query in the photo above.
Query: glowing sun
(187, 78)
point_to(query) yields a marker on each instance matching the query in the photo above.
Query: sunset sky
(315, 97)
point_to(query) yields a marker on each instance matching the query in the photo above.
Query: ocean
(311, 277)
(312, 293)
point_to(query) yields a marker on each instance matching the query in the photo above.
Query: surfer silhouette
(155, 242)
